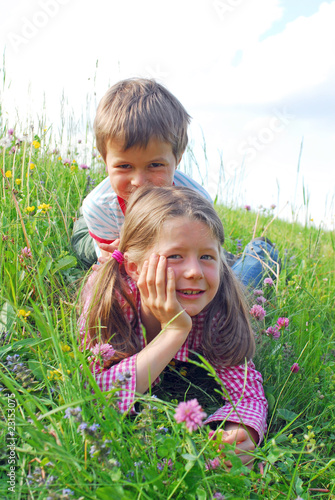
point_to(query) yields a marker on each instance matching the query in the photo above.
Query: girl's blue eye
(175, 256)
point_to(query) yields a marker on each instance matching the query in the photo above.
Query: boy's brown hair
(138, 109)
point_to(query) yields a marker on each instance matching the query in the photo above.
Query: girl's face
(194, 255)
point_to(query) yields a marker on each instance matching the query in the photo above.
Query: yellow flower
(66, 348)
(44, 207)
(30, 209)
(59, 158)
(32, 166)
(18, 181)
(8, 174)
(183, 371)
(73, 168)
(23, 314)
(36, 144)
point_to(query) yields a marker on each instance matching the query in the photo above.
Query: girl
(168, 290)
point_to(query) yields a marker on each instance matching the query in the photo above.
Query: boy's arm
(103, 214)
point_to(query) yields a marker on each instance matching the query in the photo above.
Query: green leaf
(44, 266)
(163, 451)
(271, 401)
(189, 465)
(7, 316)
(286, 414)
(20, 344)
(115, 475)
(111, 492)
(48, 241)
(35, 367)
(189, 457)
(64, 263)
(201, 494)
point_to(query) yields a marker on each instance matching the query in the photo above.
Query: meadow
(62, 438)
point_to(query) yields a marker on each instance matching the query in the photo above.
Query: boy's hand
(106, 252)
(244, 439)
(157, 287)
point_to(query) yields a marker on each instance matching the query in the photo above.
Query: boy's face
(127, 170)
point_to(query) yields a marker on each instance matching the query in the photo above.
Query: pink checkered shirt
(245, 401)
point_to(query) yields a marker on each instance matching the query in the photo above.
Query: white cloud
(295, 60)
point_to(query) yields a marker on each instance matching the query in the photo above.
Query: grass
(149, 456)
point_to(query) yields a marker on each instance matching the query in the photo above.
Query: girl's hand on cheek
(157, 286)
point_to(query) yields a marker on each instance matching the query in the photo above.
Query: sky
(257, 77)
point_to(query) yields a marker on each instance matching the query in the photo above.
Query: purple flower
(72, 412)
(260, 300)
(10, 131)
(268, 281)
(239, 244)
(94, 427)
(213, 464)
(82, 427)
(67, 162)
(283, 323)
(273, 330)
(218, 496)
(161, 465)
(191, 413)
(26, 252)
(257, 312)
(273, 206)
(258, 292)
(247, 207)
(67, 491)
(106, 351)
(83, 166)
(295, 368)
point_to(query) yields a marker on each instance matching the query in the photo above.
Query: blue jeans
(258, 261)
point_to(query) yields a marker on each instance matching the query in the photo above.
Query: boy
(141, 134)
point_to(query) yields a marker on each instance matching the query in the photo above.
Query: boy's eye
(124, 166)
(156, 165)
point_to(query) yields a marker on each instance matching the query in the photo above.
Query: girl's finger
(161, 284)
(235, 436)
(142, 280)
(151, 275)
(170, 285)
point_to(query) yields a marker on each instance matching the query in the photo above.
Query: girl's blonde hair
(227, 337)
